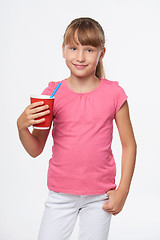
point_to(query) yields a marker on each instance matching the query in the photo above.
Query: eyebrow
(85, 46)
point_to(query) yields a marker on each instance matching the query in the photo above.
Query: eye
(73, 48)
(90, 50)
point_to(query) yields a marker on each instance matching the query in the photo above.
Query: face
(82, 60)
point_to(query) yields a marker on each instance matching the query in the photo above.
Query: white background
(30, 57)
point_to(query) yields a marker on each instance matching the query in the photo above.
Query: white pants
(62, 210)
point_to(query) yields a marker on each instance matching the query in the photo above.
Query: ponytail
(100, 70)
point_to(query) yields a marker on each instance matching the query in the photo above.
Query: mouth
(80, 66)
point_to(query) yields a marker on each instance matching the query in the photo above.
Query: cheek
(94, 61)
(67, 62)
(69, 57)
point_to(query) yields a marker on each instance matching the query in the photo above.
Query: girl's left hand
(116, 202)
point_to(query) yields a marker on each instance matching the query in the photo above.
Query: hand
(116, 201)
(33, 111)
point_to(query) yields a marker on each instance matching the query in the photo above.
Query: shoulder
(110, 83)
(52, 84)
(107, 81)
(113, 86)
(50, 88)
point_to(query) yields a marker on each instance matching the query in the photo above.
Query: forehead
(75, 42)
(81, 38)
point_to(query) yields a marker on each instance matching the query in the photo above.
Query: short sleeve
(49, 90)
(119, 96)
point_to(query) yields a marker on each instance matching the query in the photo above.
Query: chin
(81, 75)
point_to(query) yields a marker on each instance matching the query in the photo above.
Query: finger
(33, 122)
(35, 104)
(41, 114)
(37, 121)
(115, 214)
(39, 109)
(110, 211)
(109, 192)
(107, 207)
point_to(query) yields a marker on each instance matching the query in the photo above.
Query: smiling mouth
(80, 66)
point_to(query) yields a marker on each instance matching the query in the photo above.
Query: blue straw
(55, 90)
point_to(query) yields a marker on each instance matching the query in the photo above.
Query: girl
(81, 174)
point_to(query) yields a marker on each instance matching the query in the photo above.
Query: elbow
(35, 154)
(38, 151)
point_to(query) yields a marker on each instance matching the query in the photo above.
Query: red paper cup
(48, 118)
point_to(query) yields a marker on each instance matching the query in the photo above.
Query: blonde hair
(89, 32)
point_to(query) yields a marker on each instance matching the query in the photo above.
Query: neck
(83, 84)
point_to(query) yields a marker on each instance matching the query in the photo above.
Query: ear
(63, 51)
(102, 54)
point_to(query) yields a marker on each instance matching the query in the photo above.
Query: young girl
(82, 170)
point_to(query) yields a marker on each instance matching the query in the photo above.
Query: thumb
(108, 193)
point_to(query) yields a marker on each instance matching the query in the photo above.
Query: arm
(129, 147)
(32, 142)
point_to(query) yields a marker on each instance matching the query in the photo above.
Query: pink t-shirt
(82, 162)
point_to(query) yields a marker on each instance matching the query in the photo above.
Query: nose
(80, 56)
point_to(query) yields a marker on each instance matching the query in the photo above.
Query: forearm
(127, 167)
(30, 142)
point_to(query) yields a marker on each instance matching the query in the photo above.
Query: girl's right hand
(33, 111)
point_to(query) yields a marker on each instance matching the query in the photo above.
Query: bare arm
(118, 197)
(129, 147)
(32, 142)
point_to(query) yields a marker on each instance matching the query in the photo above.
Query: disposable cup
(48, 118)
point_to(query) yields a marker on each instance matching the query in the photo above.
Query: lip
(80, 66)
